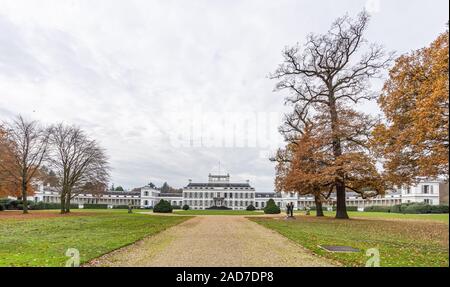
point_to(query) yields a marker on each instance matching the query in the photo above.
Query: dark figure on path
(130, 208)
(291, 210)
(288, 207)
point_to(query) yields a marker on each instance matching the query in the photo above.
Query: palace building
(220, 192)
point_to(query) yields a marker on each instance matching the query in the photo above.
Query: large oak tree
(414, 141)
(80, 164)
(325, 77)
(26, 145)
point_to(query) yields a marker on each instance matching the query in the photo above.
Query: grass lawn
(43, 241)
(400, 242)
(217, 212)
(384, 215)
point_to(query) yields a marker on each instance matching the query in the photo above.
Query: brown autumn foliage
(328, 75)
(415, 141)
(308, 166)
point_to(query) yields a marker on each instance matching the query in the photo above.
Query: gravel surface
(213, 241)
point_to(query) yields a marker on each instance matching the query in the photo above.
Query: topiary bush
(174, 207)
(186, 207)
(271, 207)
(2, 207)
(251, 208)
(163, 206)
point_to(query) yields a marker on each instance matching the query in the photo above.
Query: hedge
(410, 208)
(120, 207)
(376, 208)
(47, 205)
(186, 207)
(95, 206)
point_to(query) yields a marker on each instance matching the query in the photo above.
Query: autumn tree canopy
(325, 77)
(26, 143)
(414, 141)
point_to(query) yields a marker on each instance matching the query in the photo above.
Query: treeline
(62, 155)
(332, 147)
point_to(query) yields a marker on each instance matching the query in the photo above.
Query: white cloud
(123, 69)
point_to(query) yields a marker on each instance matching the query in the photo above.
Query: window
(145, 202)
(428, 201)
(427, 189)
(146, 193)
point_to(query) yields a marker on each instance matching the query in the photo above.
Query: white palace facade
(219, 191)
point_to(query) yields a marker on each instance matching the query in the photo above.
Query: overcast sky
(165, 86)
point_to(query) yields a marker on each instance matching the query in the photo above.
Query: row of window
(426, 189)
(209, 203)
(217, 194)
(232, 188)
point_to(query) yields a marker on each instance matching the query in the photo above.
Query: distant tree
(327, 77)
(79, 162)
(415, 141)
(165, 188)
(47, 176)
(8, 183)
(28, 142)
(119, 188)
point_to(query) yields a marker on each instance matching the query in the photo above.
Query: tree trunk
(67, 204)
(63, 201)
(24, 196)
(319, 209)
(341, 208)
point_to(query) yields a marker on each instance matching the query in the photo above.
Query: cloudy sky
(172, 88)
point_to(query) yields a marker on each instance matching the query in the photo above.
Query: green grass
(400, 242)
(44, 241)
(217, 212)
(383, 215)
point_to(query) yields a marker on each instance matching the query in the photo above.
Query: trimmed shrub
(218, 208)
(47, 205)
(352, 208)
(95, 206)
(120, 206)
(376, 208)
(271, 207)
(251, 208)
(176, 207)
(186, 207)
(417, 208)
(439, 209)
(2, 207)
(163, 206)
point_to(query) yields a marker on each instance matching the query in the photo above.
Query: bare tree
(80, 164)
(29, 143)
(326, 77)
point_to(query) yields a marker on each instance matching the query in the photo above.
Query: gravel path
(213, 241)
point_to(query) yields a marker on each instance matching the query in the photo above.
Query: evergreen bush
(271, 207)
